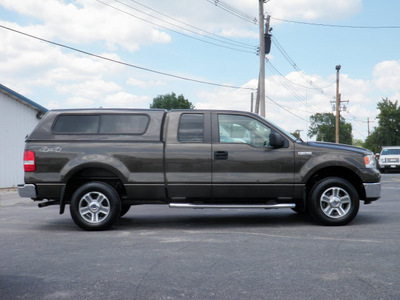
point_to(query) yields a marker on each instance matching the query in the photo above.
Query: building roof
(22, 99)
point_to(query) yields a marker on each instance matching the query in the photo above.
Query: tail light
(29, 161)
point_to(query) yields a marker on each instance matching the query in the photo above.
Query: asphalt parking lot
(156, 252)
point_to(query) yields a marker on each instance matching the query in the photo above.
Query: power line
(234, 11)
(282, 79)
(294, 83)
(126, 64)
(338, 26)
(286, 83)
(295, 66)
(281, 106)
(175, 31)
(194, 27)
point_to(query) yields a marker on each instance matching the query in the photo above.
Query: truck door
(188, 155)
(244, 166)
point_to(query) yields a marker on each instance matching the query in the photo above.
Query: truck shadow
(195, 219)
(213, 220)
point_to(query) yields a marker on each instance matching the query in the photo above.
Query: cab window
(242, 130)
(191, 128)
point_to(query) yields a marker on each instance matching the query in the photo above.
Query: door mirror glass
(276, 140)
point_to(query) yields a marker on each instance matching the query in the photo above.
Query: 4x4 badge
(304, 153)
(50, 149)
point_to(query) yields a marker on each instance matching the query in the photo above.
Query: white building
(18, 117)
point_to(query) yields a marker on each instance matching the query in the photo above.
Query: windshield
(389, 151)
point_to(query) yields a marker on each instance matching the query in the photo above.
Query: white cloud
(93, 89)
(126, 100)
(85, 21)
(387, 76)
(79, 102)
(144, 84)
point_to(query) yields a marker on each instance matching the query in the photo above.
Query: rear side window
(102, 124)
(191, 128)
(124, 124)
(76, 124)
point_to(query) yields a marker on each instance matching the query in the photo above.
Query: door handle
(220, 154)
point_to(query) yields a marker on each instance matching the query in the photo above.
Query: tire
(382, 170)
(95, 206)
(333, 201)
(124, 209)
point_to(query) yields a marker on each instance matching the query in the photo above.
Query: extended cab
(102, 161)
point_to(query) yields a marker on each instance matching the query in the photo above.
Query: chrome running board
(265, 206)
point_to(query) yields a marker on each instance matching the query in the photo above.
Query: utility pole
(257, 106)
(252, 102)
(337, 104)
(368, 121)
(261, 79)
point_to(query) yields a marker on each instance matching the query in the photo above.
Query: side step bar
(265, 206)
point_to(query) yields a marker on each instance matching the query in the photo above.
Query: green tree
(296, 133)
(387, 133)
(322, 125)
(170, 101)
(358, 143)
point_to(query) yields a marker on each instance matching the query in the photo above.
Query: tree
(296, 133)
(170, 101)
(358, 143)
(322, 125)
(388, 131)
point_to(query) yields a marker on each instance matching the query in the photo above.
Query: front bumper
(27, 191)
(372, 191)
(389, 166)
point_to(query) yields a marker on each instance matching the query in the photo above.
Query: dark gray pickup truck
(103, 161)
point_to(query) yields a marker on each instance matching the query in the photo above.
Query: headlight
(369, 161)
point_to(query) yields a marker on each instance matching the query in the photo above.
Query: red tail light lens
(29, 161)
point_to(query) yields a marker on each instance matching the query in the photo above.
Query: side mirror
(276, 140)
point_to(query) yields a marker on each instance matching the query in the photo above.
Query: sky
(124, 53)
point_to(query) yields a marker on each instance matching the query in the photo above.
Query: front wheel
(95, 206)
(334, 201)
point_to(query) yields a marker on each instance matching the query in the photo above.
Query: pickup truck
(102, 161)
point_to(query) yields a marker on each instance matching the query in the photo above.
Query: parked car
(100, 162)
(389, 158)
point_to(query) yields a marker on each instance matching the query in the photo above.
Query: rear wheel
(334, 201)
(95, 206)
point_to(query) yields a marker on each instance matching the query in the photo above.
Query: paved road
(160, 253)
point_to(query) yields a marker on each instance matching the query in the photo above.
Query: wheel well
(340, 172)
(93, 174)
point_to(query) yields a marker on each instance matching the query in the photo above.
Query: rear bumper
(372, 191)
(27, 191)
(40, 191)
